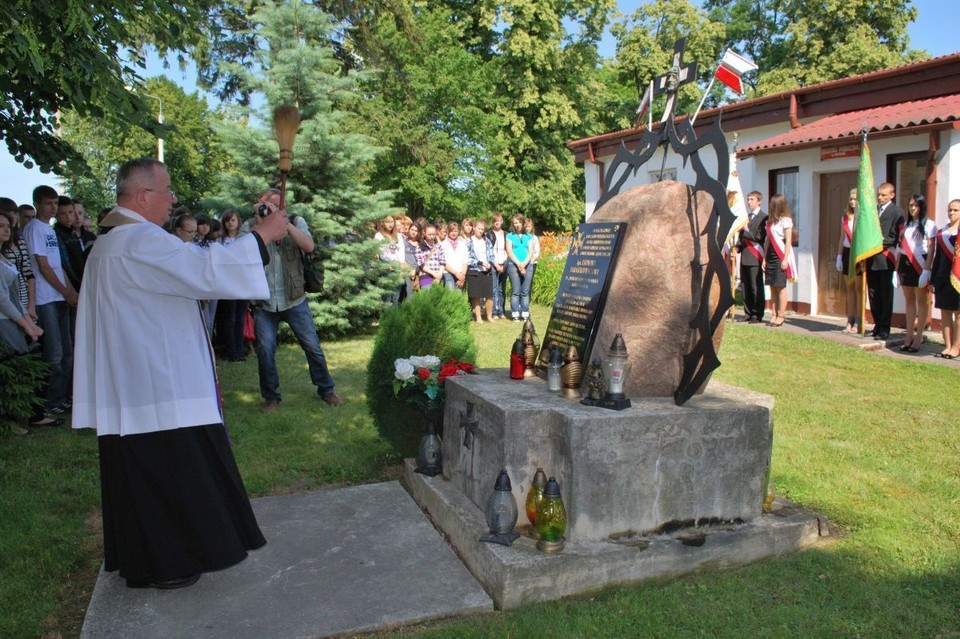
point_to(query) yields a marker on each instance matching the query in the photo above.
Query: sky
(934, 30)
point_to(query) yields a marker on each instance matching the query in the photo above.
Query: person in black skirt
(779, 263)
(854, 287)
(937, 273)
(174, 504)
(480, 272)
(916, 240)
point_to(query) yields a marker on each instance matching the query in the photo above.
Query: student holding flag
(915, 242)
(881, 266)
(779, 263)
(854, 286)
(874, 242)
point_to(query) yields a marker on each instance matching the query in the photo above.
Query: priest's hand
(273, 227)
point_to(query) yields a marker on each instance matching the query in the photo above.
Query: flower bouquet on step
(418, 380)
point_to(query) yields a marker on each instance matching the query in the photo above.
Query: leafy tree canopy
(80, 55)
(799, 43)
(192, 152)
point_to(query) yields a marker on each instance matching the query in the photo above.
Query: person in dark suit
(750, 247)
(880, 267)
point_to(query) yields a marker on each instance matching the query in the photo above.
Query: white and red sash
(945, 244)
(847, 228)
(908, 250)
(780, 250)
(754, 247)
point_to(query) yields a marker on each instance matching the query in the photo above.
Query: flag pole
(863, 301)
(703, 99)
(650, 108)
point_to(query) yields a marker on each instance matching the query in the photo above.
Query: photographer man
(287, 302)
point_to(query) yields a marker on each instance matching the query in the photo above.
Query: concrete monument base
(653, 491)
(521, 574)
(652, 467)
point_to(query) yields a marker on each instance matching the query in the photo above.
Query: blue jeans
(300, 321)
(520, 290)
(499, 292)
(57, 351)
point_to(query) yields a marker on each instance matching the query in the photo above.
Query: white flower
(403, 369)
(425, 361)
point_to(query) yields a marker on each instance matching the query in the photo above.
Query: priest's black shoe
(881, 335)
(167, 584)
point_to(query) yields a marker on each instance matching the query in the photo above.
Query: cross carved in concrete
(469, 424)
(676, 77)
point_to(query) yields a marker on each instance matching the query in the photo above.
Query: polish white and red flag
(731, 70)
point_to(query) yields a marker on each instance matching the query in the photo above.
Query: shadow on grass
(823, 592)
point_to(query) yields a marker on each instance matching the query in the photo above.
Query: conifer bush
(21, 378)
(435, 321)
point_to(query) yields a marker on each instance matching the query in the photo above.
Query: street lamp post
(159, 121)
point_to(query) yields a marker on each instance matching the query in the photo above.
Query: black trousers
(754, 298)
(880, 292)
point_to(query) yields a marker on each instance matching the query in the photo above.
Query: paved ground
(829, 328)
(348, 560)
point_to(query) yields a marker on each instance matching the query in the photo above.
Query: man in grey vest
(287, 302)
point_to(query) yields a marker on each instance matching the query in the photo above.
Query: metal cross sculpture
(702, 359)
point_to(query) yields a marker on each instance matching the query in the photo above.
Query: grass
(871, 442)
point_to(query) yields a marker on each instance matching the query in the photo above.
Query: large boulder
(652, 298)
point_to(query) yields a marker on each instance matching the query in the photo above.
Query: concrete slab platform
(521, 574)
(339, 561)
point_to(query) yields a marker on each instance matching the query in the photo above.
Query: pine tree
(327, 185)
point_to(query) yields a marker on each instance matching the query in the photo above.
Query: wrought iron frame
(702, 359)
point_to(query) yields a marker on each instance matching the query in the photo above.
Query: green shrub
(553, 257)
(546, 281)
(22, 378)
(435, 321)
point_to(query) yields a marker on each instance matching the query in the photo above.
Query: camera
(263, 210)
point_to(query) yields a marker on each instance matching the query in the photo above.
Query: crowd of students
(42, 266)
(466, 256)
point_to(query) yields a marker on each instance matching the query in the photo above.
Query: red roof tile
(846, 126)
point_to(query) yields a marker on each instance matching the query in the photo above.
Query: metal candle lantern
(554, 382)
(529, 350)
(518, 360)
(429, 461)
(535, 340)
(501, 512)
(617, 369)
(535, 495)
(551, 518)
(571, 375)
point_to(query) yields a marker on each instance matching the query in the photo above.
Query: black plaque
(583, 290)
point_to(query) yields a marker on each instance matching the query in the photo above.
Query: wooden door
(831, 285)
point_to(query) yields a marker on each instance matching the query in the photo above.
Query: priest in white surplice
(173, 501)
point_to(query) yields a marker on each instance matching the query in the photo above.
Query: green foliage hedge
(546, 280)
(21, 378)
(435, 321)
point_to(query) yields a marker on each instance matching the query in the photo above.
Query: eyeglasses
(168, 192)
(185, 231)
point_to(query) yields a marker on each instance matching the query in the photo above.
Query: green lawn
(866, 440)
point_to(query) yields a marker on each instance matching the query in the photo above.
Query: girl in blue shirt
(518, 258)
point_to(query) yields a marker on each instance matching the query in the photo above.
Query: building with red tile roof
(805, 144)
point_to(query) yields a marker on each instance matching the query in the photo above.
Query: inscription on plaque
(583, 289)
